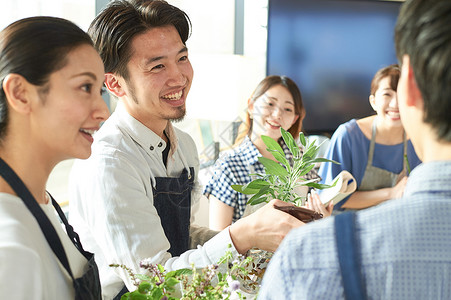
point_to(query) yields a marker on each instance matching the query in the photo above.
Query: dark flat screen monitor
(331, 49)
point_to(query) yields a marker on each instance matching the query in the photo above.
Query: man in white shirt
(134, 197)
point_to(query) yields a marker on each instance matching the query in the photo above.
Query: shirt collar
(429, 177)
(143, 135)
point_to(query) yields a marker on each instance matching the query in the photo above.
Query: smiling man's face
(160, 76)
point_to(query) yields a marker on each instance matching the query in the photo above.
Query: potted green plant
(281, 179)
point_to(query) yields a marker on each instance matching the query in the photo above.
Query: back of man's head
(423, 31)
(115, 27)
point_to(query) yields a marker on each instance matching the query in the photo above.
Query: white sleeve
(20, 272)
(209, 253)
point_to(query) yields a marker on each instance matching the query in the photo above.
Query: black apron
(172, 199)
(349, 257)
(86, 287)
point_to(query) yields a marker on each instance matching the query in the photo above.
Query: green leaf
(263, 191)
(271, 179)
(137, 296)
(183, 272)
(160, 268)
(144, 287)
(171, 281)
(323, 160)
(311, 152)
(256, 184)
(281, 158)
(303, 181)
(302, 139)
(156, 294)
(272, 144)
(240, 189)
(289, 140)
(321, 186)
(306, 170)
(257, 200)
(170, 274)
(273, 168)
(283, 179)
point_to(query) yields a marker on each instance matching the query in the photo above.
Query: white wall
(81, 12)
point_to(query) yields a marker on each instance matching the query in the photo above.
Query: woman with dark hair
(275, 103)
(372, 149)
(50, 106)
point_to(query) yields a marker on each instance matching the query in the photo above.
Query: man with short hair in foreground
(401, 248)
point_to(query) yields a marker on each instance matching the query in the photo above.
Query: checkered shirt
(234, 167)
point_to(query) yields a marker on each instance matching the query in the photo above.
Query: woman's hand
(314, 203)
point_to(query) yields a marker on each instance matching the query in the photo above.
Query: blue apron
(86, 287)
(349, 256)
(172, 199)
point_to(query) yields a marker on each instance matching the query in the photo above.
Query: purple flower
(234, 285)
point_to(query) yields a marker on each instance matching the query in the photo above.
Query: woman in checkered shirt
(275, 103)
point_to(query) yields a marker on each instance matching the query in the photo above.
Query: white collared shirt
(111, 200)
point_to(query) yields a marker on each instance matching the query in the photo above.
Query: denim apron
(349, 257)
(172, 199)
(376, 178)
(86, 287)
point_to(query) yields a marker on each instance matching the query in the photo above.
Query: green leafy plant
(280, 178)
(217, 281)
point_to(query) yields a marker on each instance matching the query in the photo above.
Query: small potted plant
(281, 179)
(280, 182)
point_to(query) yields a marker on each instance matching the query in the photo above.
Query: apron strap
(44, 223)
(372, 143)
(73, 236)
(348, 256)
